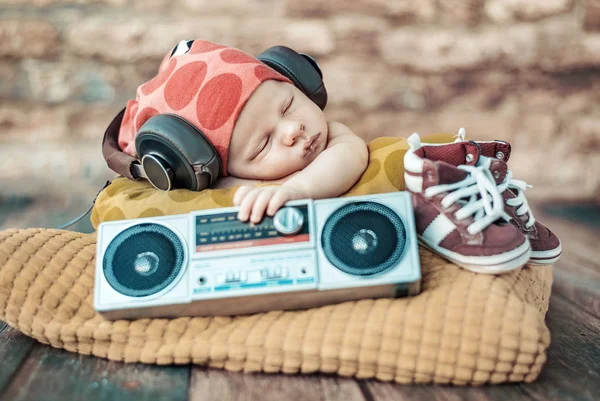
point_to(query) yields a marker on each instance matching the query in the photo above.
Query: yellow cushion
(126, 199)
(463, 328)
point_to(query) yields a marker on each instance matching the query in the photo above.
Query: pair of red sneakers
(469, 209)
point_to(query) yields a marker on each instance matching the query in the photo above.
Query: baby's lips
(311, 144)
(312, 141)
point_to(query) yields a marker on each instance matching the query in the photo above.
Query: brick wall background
(526, 71)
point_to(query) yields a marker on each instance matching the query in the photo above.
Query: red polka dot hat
(206, 83)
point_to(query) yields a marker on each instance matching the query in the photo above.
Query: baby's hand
(254, 201)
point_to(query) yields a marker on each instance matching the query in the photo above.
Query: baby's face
(279, 131)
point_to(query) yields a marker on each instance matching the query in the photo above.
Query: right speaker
(370, 239)
(364, 238)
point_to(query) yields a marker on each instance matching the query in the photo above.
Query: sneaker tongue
(448, 174)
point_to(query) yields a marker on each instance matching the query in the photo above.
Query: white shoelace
(520, 200)
(485, 201)
(520, 186)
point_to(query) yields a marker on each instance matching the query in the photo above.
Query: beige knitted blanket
(463, 328)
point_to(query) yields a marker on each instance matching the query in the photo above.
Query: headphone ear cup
(175, 154)
(313, 62)
(301, 69)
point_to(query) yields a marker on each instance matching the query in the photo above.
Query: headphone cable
(75, 220)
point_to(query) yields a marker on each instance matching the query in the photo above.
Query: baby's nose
(292, 132)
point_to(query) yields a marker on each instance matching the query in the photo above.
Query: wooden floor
(32, 371)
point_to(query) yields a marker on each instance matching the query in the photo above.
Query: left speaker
(144, 260)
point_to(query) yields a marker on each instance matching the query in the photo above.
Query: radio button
(288, 220)
(220, 279)
(275, 272)
(235, 277)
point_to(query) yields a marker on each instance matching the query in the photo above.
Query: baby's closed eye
(287, 105)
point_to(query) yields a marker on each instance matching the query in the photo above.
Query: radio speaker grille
(143, 260)
(363, 238)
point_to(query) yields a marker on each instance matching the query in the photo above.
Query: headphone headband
(117, 160)
(300, 68)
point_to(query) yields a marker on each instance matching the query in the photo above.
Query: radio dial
(288, 221)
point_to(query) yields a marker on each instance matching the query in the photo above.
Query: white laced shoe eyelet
(429, 175)
(496, 174)
(500, 156)
(469, 158)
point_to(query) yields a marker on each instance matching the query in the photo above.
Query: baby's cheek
(292, 163)
(237, 168)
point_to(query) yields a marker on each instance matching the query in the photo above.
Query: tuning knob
(288, 220)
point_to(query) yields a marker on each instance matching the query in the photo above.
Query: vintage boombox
(310, 253)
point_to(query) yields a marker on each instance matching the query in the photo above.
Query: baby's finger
(247, 202)
(241, 193)
(277, 201)
(261, 203)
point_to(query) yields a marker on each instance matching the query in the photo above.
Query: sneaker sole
(545, 257)
(512, 260)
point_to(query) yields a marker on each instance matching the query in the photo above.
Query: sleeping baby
(263, 127)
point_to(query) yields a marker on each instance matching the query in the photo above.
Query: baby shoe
(545, 245)
(456, 207)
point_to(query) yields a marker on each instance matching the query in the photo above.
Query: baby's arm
(331, 174)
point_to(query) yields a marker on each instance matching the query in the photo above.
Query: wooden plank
(573, 368)
(581, 212)
(575, 282)
(577, 273)
(581, 239)
(420, 392)
(217, 385)
(56, 375)
(14, 348)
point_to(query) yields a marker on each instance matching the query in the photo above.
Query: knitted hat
(206, 83)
